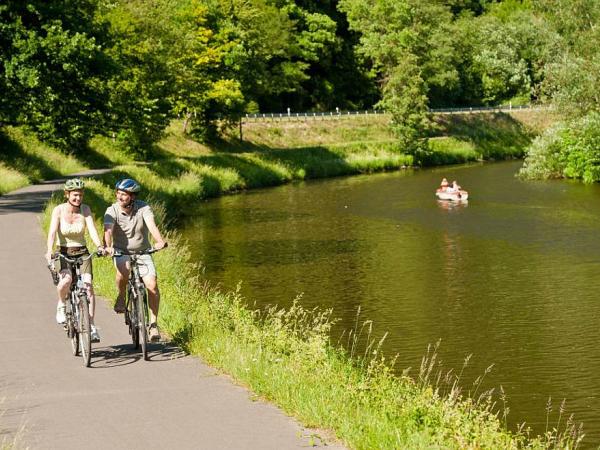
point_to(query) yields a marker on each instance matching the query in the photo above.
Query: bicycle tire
(85, 337)
(143, 321)
(133, 319)
(72, 324)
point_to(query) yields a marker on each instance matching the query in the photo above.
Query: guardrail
(338, 114)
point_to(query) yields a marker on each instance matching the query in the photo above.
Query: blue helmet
(127, 185)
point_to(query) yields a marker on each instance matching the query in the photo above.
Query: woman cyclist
(67, 225)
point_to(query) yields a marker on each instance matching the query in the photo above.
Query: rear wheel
(85, 337)
(143, 321)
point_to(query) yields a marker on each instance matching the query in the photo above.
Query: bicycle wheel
(72, 324)
(85, 338)
(133, 318)
(143, 321)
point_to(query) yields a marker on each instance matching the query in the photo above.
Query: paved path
(50, 400)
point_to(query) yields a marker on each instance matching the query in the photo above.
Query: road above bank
(49, 400)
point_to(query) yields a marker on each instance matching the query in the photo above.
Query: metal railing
(339, 114)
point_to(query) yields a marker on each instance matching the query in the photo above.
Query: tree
(53, 70)
(409, 45)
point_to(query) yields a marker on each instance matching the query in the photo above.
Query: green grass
(25, 160)
(272, 153)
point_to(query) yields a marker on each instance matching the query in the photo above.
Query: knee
(122, 277)
(151, 286)
(89, 289)
(64, 282)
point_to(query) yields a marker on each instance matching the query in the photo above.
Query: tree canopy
(126, 68)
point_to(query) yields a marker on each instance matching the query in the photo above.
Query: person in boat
(443, 185)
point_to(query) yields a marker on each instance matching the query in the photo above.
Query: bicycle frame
(77, 325)
(137, 315)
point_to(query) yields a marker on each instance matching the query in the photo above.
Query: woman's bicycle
(77, 309)
(137, 315)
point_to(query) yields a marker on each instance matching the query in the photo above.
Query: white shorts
(145, 264)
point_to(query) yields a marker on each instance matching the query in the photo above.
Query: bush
(570, 150)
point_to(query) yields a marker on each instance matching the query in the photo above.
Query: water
(512, 277)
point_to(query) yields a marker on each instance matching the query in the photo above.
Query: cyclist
(67, 225)
(127, 225)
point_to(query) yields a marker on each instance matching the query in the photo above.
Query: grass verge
(25, 160)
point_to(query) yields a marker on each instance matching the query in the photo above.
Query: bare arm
(89, 221)
(54, 223)
(159, 242)
(108, 238)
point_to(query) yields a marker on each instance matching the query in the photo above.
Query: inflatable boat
(455, 196)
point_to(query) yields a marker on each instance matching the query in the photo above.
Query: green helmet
(74, 184)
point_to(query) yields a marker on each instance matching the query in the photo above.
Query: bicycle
(137, 313)
(77, 310)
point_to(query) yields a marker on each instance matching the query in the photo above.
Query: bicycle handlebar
(148, 251)
(57, 256)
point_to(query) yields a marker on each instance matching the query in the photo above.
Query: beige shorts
(86, 267)
(145, 264)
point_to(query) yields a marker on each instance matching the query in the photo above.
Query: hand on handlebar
(160, 245)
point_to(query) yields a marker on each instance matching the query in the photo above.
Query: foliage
(53, 70)
(569, 150)
(126, 68)
(573, 77)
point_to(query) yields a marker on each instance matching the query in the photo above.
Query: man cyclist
(127, 225)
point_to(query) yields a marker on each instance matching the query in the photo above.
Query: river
(511, 278)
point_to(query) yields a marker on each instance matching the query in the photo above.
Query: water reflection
(449, 205)
(510, 277)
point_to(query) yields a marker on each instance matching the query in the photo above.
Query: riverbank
(181, 168)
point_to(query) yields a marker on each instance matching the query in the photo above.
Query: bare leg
(153, 297)
(62, 288)
(92, 298)
(121, 279)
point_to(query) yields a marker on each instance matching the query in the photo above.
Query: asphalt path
(48, 399)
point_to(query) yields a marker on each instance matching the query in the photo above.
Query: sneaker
(60, 314)
(153, 333)
(94, 333)
(119, 307)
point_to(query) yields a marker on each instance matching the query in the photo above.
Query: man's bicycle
(137, 314)
(77, 309)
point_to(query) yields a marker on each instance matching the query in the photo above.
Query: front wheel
(143, 321)
(133, 318)
(85, 337)
(72, 324)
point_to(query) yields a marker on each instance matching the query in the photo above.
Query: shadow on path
(125, 354)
